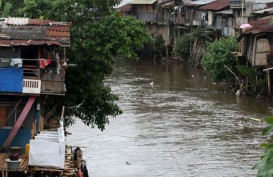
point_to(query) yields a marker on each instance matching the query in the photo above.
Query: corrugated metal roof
(198, 2)
(268, 10)
(142, 1)
(27, 21)
(216, 5)
(261, 25)
(263, 1)
(7, 43)
(24, 31)
(257, 7)
(59, 28)
(125, 8)
(57, 34)
(39, 22)
(16, 21)
(168, 4)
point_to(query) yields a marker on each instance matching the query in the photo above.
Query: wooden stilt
(268, 82)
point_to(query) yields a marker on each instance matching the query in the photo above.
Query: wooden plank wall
(262, 50)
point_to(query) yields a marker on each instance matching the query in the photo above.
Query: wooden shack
(256, 46)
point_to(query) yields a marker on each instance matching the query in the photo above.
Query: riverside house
(32, 67)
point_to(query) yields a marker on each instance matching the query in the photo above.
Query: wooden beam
(18, 123)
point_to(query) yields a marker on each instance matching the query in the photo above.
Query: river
(183, 125)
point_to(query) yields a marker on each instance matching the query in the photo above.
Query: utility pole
(242, 3)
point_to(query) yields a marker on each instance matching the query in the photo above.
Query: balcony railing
(53, 82)
(37, 76)
(50, 87)
(31, 86)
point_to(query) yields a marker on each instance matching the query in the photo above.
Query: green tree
(98, 36)
(5, 8)
(218, 57)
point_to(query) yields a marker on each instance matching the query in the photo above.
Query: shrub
(218, 55)
(182, 47)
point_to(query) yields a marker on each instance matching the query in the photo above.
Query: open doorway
(30, 61)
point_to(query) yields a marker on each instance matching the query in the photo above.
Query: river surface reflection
(182, 126)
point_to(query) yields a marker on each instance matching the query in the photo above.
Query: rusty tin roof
(261, 25)
(198, 3)
(124, 8)
(216, 5)
(25, 31)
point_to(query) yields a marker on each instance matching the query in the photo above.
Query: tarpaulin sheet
(11, 80)
(44, 153)
(48, 150)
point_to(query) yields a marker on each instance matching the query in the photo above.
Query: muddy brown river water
(182, 125)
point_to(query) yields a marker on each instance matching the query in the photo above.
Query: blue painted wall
(11, 80)
(22, 138)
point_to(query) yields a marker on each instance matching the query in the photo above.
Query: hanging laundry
(42, 55)
(44, 62)
(16, 62)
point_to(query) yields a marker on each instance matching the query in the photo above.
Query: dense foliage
(98, 36)
(218, 57)
(154, 49)
(182, 47)
(265, 165)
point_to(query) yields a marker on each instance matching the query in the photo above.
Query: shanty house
(32, 66)
(218, 16)
(187, 16)
(157, 16)
(144, 10)
(256, 44)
